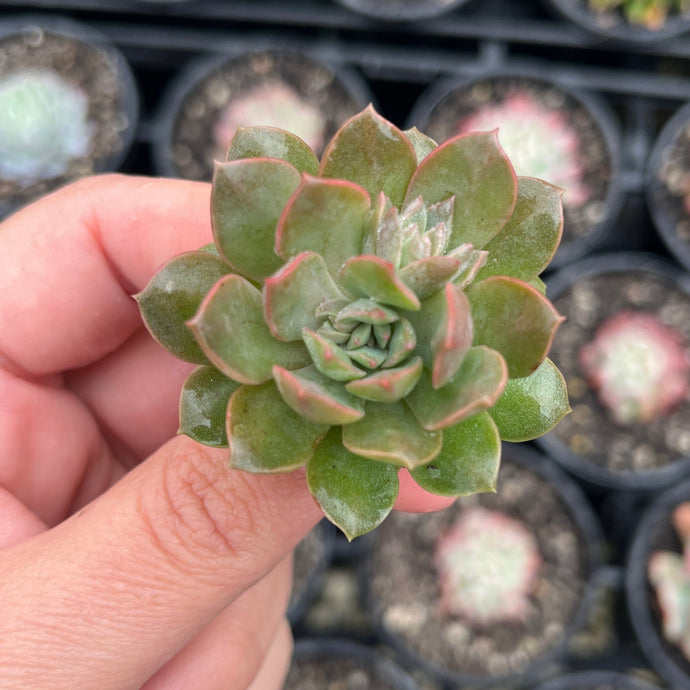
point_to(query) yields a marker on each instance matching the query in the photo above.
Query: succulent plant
(375, 311)
(488, 564)
(43, 125)
(273, 104)
(638, 366)
(538, 139)
(651, 14)
(669, 574)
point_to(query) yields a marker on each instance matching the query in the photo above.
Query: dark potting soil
(594, 155)
(405, 595)
(589, 431)
(337, 673)
(86, 67)
(674, 174)
(193, 147)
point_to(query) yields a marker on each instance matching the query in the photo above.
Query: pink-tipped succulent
(651, 14)
(488, 564)
(374, 311)
(669, 574)
(274, 104)
(638, 366)
(538, 139)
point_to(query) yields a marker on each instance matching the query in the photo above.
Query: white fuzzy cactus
(488, 563)
(43, 126)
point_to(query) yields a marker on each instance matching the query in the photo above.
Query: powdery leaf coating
(488, 564)
(638, 366)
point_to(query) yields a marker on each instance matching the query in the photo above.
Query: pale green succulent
(43, 126)
(651, 14)
(375, 311)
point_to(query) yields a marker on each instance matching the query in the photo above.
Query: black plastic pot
(366, 669)
(311, 561)
(440, 109)
(402, 10)
(671, 149)
(39, 32)
(597, 680)
(394, 611)
(336, 93)
(614, 26)
(655, 532)
(608, 281)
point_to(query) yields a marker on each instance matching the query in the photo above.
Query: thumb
(105, 598)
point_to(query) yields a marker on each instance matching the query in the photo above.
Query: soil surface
(674, 176)
(589, 431)
(91, 70)
(404, 590)
(595, 156)
(323, 673)
(193, 146)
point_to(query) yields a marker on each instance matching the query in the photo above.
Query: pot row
(607, 20)
(460, 601)
(550, 131)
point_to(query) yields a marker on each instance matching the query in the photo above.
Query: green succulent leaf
(533, 405)
(391, 433)
(377, 212)
(359, 336)
(389, 238)
(317, 397)
(370, 276)
(324, 216)
(382, 334)
(427, 276)
(468, 462)
(373, 153)
(204, 405)
(369, 357)
(173, 296)
(474, 169)
(475, 387)
(269, 142)
(421, 143)
(292, 296)
(528, 241)
(247, 200)
(444, 332)
(355, 493)
(367, 311)
(330, 359)
(230, 328)
(539, 285)
(265, 434)
(514, 318)
(402, 343)
(388, 385)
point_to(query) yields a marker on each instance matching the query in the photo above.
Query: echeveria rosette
(377, 310)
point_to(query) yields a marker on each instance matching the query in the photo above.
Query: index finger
(70, 262)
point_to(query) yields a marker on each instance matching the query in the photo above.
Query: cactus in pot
(488, 565)
(669, 574)
(651, 14)
(377, 310)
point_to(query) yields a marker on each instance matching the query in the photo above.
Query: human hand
(173, 572)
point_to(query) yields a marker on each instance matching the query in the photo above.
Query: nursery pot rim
(664, 221)
(583, 517)
(80, 32)
(423, 9)
(636, 586)
(312, 647)
(623, 32)
(556, 283)
(591, 102)
(187, 79)
(595, 678)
